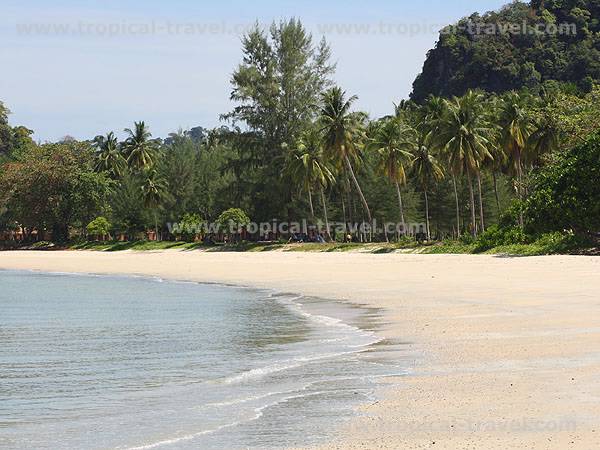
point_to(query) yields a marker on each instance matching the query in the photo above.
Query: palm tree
(464, 137)
(395, 143)
(545, 137)
(340, 130)
(432, 114)
(516, 129)
(139, 148)
(308, 167)
(153, 192)
(404, 108)
(297, 168)
(426, 170)
(498, 163)
(108, 157)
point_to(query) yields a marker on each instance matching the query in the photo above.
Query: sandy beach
(507, 350)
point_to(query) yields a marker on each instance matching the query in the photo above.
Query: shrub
(567, 193)
(233, 220)
(406, 241)
(466, 239)
(495, 236)
(562, 242)
(99, 227)
(189, 227)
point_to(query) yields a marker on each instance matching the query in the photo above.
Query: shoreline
(509, 345)
(329, 319)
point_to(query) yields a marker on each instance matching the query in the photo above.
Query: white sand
(508, 349)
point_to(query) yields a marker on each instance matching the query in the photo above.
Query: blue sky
(97, 66)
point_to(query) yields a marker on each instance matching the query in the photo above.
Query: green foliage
(53, 188)
(394, 142)
(140, 149)
(189, 227)
(576, 117)
(342, 133)
(109, 157)
(5, 130)
(233, 220)
(567, 192)
(478, 53)
(547, 244)
(296, 148)
(12, 140)
(496, 236)
(142, 245)
(276, 89)
(99, 227)
(128, 213)
(449, 247)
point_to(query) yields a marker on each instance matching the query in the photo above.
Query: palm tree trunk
(457, 206)
(325, 213)
(310, 202)
(427, 215)
(401, 205)
(359, 190)
(496, 191)
(345, 218)
(472, 200)
(481, 213)
(156, 226)
(520, 188)
(351, 208)
(385, 233)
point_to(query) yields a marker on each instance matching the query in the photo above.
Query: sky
(82, 68)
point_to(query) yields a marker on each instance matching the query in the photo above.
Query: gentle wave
(240, 350)
(291, 301)
(187, 437)
(259, 412)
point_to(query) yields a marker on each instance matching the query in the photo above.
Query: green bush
(567, 193)
(562, 242)
(406, 241)
(99, 227)
(233, 220)
(496, 236)
(466, 239)
(189, 227)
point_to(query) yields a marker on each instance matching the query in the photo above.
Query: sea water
(100, 362)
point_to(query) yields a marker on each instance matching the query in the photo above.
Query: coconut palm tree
(394, 143)
(108, 156)
(297, 168)
(495, 166)
(139, 148)
(517, 128)
(432, 114)
(545, 137)
(464, 136)
(308, 167)
(341, 129)
(154, 190)
(426, 170)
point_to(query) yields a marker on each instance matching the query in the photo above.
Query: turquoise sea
(98, 362)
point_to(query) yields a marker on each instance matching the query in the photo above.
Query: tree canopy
(296, 149)
(552, 40)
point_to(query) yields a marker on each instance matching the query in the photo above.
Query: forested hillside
(522, 45)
